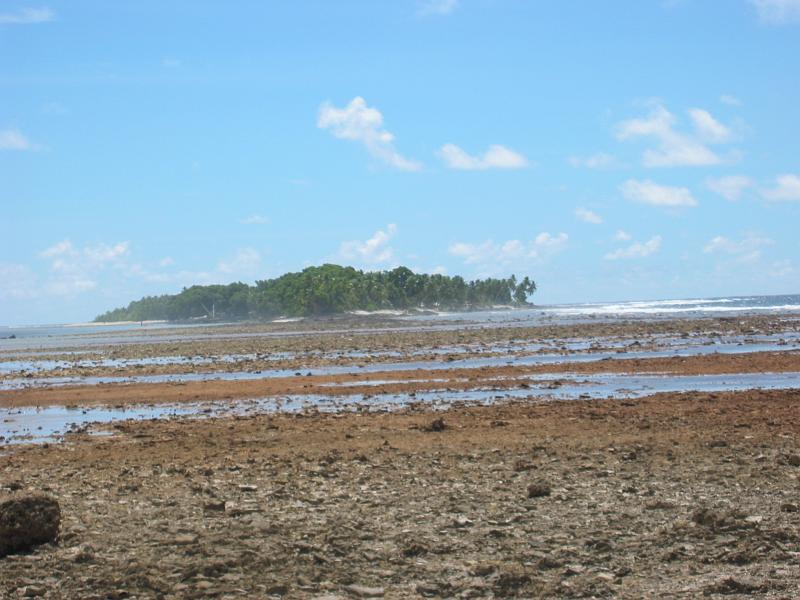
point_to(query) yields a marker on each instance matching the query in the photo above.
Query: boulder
(27, 521)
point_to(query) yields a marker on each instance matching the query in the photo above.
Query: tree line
(325, 290)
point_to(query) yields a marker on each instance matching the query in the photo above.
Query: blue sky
(610, 150)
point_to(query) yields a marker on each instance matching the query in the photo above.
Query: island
(326, 290)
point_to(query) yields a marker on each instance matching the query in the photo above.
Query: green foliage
(325, 290)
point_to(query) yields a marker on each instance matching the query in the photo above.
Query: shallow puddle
(38, 425)
(467, 363)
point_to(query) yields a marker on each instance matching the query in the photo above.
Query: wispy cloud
(375, 250)
(730, 187)
(27, 16)
(622, 236)
(636, 250)
(648, 192)
(785, 189)
(496, 157)
(747, 250)
(10, 139)
(676, 148)
(491, 257)
(588, 216)
(246, 262)
(74, 270)
(17, 281)
(730, 100)
(436, 7)
(777, 12)
(360, 123)
(254, 219)
(601, 160)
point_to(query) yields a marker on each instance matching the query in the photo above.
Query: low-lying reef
(328, 289)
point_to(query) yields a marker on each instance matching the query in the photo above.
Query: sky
(626, 150)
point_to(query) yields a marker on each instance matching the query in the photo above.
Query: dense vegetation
(324, 290)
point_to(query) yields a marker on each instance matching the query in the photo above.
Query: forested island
(326, 290)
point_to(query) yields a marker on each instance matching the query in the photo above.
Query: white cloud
(622, 236)
(730, 100)
(167, 261)
(782, 268)
(786, 189)
(707, 127)
(254, 220)
(74, 270)
(674, 147)
(730, 187)
(17, 281)
(588, 216)
(648, 192)
(493, 257)
(600, 160)
(777, 12)
(496, 157)
(636, 250)
(373, 251)
(436, 7)
(98, 254)
(11, 139)
(245, 263)
(360, 123)
(27, 16)
(748, 249)
(54, 108)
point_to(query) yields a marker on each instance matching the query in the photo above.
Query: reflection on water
(467, 363)
(51, 423)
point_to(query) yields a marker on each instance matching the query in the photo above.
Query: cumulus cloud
(588, 216)
(730, 187)
(27, 16)
(785, 189)
(777, 12)
(676, 148)
(496, 157)
(11, 139)
(436, 7)
(491, 257)
(600, 160)
(747, 249)
(648, 192)
(707, 127)
(636, 250)
(360, 123)
(375, 250)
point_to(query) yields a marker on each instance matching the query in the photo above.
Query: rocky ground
(692, 495)
(356, 342)
(509, 376)
(675, 495)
